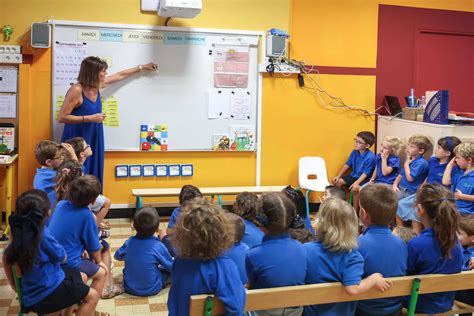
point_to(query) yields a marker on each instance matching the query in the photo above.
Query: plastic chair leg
(414, 297)
(307, 203)
(208, 308)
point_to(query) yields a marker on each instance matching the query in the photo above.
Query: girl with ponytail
(46, 287)
(437, 248)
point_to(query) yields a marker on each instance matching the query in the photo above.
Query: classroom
(348, 66)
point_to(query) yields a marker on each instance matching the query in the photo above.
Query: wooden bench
(334, 292)
(218, 191)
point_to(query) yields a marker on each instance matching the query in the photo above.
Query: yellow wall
(324, 32)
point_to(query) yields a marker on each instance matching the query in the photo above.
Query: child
(81, 149)
(147, 261)
(302, 235)
(333, 191)
(362, 161)
(67, 172)
(466, 237)
(443, 154)
(387, 163)
(187, 193)
(414, 172)
(437, 249)
(462, 177)
(265, 265)
(46, 288)
(201, 235)
(404, 233)
(75, 228)
(246, 207)
(50, 155)
(334, 257)
(238, 251)
(378, 205)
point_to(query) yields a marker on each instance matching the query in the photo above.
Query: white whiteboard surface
(176, 96)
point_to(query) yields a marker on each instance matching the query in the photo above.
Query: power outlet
(11, 58)
(10, 49)
(280, 68)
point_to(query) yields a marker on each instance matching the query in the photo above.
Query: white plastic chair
(314, 167)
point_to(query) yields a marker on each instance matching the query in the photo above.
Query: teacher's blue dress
(93, 133)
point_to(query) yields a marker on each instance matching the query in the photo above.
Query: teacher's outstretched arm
(127, 72)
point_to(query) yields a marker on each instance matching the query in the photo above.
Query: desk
(219, 191)
(8, 165)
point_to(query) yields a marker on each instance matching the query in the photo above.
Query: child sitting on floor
(201, 235)
(246, 207)
(147, 261)
(238, 251)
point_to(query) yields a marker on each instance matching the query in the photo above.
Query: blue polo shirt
(464, 183)
(278, 261)
(217, 276)
(46, 273)
(424, 257)
(467, 254)
(143, 257)
(374, 245)
(393, 162)
(45, 179)
(75, 229)
(327, 266)
(436, 170)
(253, 235)
(361, 163)
(418, 171)
(237, 253)
(174, 217)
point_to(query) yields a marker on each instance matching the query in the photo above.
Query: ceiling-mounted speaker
(40, 35)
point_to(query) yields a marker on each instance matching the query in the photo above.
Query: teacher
(81, 111)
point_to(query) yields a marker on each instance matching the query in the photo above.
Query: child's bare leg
(399, 221)
(355, 199)
(340, 183)
(108, 262)
(100, 215)
(89, 303)
(98, 280)
(417, 227)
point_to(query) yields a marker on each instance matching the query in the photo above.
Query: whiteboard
(177, 96)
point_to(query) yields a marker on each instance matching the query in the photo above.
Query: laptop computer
(392, 105)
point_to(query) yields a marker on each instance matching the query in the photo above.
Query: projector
(179, 8)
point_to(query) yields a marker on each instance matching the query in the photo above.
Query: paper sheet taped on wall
(8, 79)
(8, 105)
(67, 62)
(111, 110)
(231, 66)
(240, 104)
(59, 105)
(219, 103)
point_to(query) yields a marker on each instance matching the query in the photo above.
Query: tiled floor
(124, 304)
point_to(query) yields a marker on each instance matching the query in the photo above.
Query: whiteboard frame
(261, 44)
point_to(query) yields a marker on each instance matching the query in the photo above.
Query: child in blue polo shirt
(378, 206)
(50, 155)
(443, 154)
(46, 288)
(460, 173)
(147, 261)
(437, 250)
(279, 260)
(413, 174)
(187, 193)
(75, 228)
(362, 162)
(238, 251)
(387, 162)
(202, 234)
(334, 257)
(466, 237)
(246, 207)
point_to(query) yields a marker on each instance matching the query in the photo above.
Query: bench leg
(219, 198)
(414, 297)
(139, 203)
(307, 203)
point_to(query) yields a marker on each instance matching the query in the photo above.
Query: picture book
(154, 137)
(7, 140)
(242, 137)
(220, 142)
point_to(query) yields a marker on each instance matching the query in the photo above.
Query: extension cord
(280, 67)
